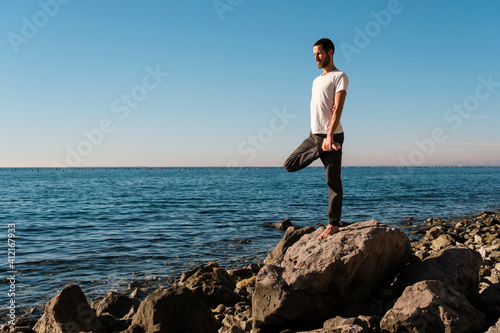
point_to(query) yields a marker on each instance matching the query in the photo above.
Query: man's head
(323, 52)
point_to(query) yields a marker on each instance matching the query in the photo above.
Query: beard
(325, 62)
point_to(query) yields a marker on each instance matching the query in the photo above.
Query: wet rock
(282, 225)
(211, 283)
(116, 304)
(134, 285)
(319, 277)
(457, 267)
(432, 306)
(176, 309)
(68, 311)
(292, 235)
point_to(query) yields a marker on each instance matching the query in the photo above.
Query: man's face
(322, 58)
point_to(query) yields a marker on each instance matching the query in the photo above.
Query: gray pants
(309, 151)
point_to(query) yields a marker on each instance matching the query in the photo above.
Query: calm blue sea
(106, 227)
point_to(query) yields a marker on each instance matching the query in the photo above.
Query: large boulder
(316, 278)
(69, 311)
(173, 310)
(432, 306)
(211, 283)
(292, 235)
(456, 266)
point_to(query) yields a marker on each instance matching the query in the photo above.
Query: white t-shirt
(323, 96)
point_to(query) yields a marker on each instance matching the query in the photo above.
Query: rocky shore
(369, 277)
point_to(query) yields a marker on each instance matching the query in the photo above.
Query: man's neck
(329, 68)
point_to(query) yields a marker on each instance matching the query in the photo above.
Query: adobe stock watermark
(122, 107)
(31, 26)
(223, 6)
(364, 36)
(453, 118)
(253, 144)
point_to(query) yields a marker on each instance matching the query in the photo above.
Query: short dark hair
(326, 44)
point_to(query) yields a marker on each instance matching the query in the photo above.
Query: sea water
(103, 228)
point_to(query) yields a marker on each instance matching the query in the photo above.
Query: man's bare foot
(330, 230)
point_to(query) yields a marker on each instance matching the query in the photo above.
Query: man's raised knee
(288, 167)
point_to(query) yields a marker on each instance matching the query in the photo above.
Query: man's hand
(330, 145)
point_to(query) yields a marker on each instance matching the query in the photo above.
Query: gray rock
(318, 277)
(432, 306)
(240, 274)
(134, 285)
(367, 323)
(457, 266)
(173, 310)
(68, 311)
(239, 321)
(113, 324)
(435, 232)
(442, 242)
(282, 225)
(292, 235)
(116, 304)
(211, 283)
(137, 294)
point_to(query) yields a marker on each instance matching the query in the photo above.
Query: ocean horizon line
(244, 167)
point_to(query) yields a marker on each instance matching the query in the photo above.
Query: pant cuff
(335, 223)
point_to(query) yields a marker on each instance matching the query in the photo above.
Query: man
(327, 136)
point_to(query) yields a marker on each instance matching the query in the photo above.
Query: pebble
(478, 239)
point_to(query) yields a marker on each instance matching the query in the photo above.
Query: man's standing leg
(333, 162)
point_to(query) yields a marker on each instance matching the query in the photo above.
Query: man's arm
(338, 106)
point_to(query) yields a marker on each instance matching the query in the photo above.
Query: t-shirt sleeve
(342, 83)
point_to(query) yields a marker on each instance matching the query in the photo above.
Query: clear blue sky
(228, 82)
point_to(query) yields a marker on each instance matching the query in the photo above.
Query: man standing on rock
(327, 136)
